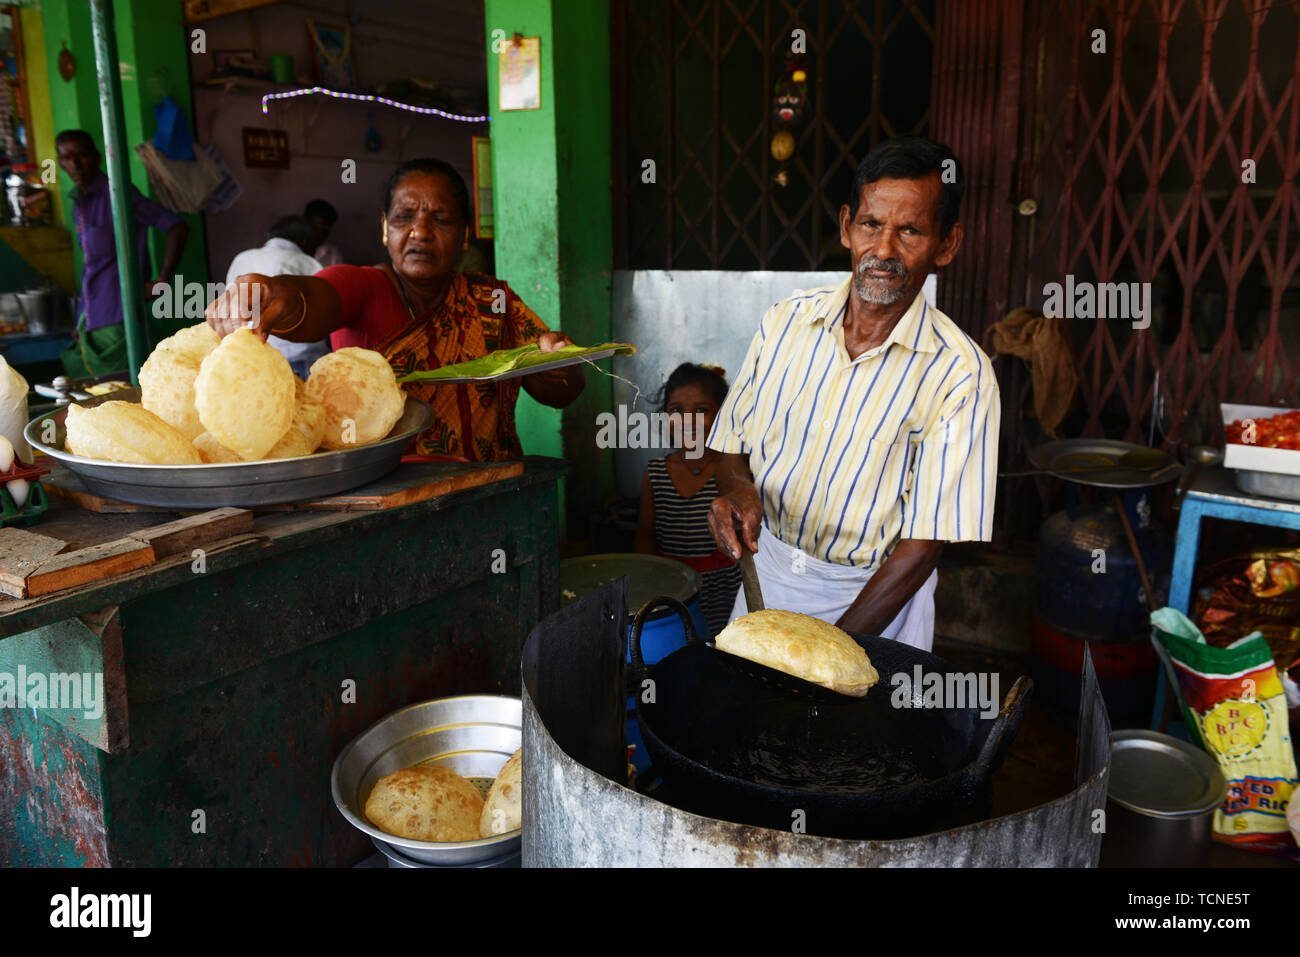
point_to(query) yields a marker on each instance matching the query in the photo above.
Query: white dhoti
(795, 581)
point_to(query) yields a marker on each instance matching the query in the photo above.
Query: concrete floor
(1040, 765)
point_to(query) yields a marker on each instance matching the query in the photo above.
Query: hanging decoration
(366, 98)
(789, 106)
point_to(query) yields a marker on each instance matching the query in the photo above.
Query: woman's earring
(384, 239)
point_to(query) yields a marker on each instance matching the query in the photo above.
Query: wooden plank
(62, 483)
(417, 482)
(89, 564)
(186, 533)
(21, 553)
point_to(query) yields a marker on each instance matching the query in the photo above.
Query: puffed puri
(361, 396)
(244, 394)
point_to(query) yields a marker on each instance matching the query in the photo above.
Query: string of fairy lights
(425, 110)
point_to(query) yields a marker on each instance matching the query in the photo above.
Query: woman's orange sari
(479, 315)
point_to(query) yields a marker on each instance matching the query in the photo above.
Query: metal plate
(1160, 776)
(650, 575)
(520, 373)
(239, 484)
(473, 735)
(1273, 484)
(396, 860)
(1077, 453)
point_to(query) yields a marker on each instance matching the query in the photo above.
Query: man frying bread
(862, 431)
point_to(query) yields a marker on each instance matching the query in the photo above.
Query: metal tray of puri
(239, 484)
(1058, 457)
(473, 735)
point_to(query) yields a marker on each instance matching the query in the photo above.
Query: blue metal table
(24, 348)
(1214, 494)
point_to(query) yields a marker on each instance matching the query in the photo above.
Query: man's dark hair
(430, 166)
(323, 209)
(297, 229)
(913, 157)
(76, 136)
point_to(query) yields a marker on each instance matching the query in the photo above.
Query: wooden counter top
(276, 529)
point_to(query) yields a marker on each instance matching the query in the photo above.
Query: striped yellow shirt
(852, 455)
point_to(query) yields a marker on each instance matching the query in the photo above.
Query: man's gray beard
(877, 295)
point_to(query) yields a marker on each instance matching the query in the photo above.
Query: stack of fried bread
(433, 803)
(210, 400)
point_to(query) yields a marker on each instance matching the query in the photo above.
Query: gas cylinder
(1088, 589)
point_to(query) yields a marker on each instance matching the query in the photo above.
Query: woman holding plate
(420, 313)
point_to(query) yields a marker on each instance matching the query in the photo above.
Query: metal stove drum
(579, 812)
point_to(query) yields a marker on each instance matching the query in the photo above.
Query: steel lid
(651, 575)
(1161, 776)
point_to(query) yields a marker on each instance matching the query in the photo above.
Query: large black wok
(732, 745)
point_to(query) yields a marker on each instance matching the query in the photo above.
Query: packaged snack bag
(1235, 709)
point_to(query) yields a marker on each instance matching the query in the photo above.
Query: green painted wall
(153, 41)
(76, 101)
(552, 199)
(153, 51)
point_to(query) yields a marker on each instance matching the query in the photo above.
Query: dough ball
(212, 451)
(803, 646)
(503, 809)
(426, 803)
(245, 395)
(126, 432)
(361, 396)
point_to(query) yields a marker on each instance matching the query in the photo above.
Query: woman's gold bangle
(302, 295)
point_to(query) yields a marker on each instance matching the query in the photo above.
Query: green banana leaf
(512, 360)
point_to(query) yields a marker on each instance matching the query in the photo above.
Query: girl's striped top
(682, 532)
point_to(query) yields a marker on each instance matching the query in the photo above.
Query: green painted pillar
(554, 232)
(119, 184)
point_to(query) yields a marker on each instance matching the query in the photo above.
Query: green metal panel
(552, 202)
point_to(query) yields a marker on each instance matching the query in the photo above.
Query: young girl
(677, 491)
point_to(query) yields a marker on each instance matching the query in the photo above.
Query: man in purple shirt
(101, 341)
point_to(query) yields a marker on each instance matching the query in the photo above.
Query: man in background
(322, 217)
(101, 337)
(287, 252)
